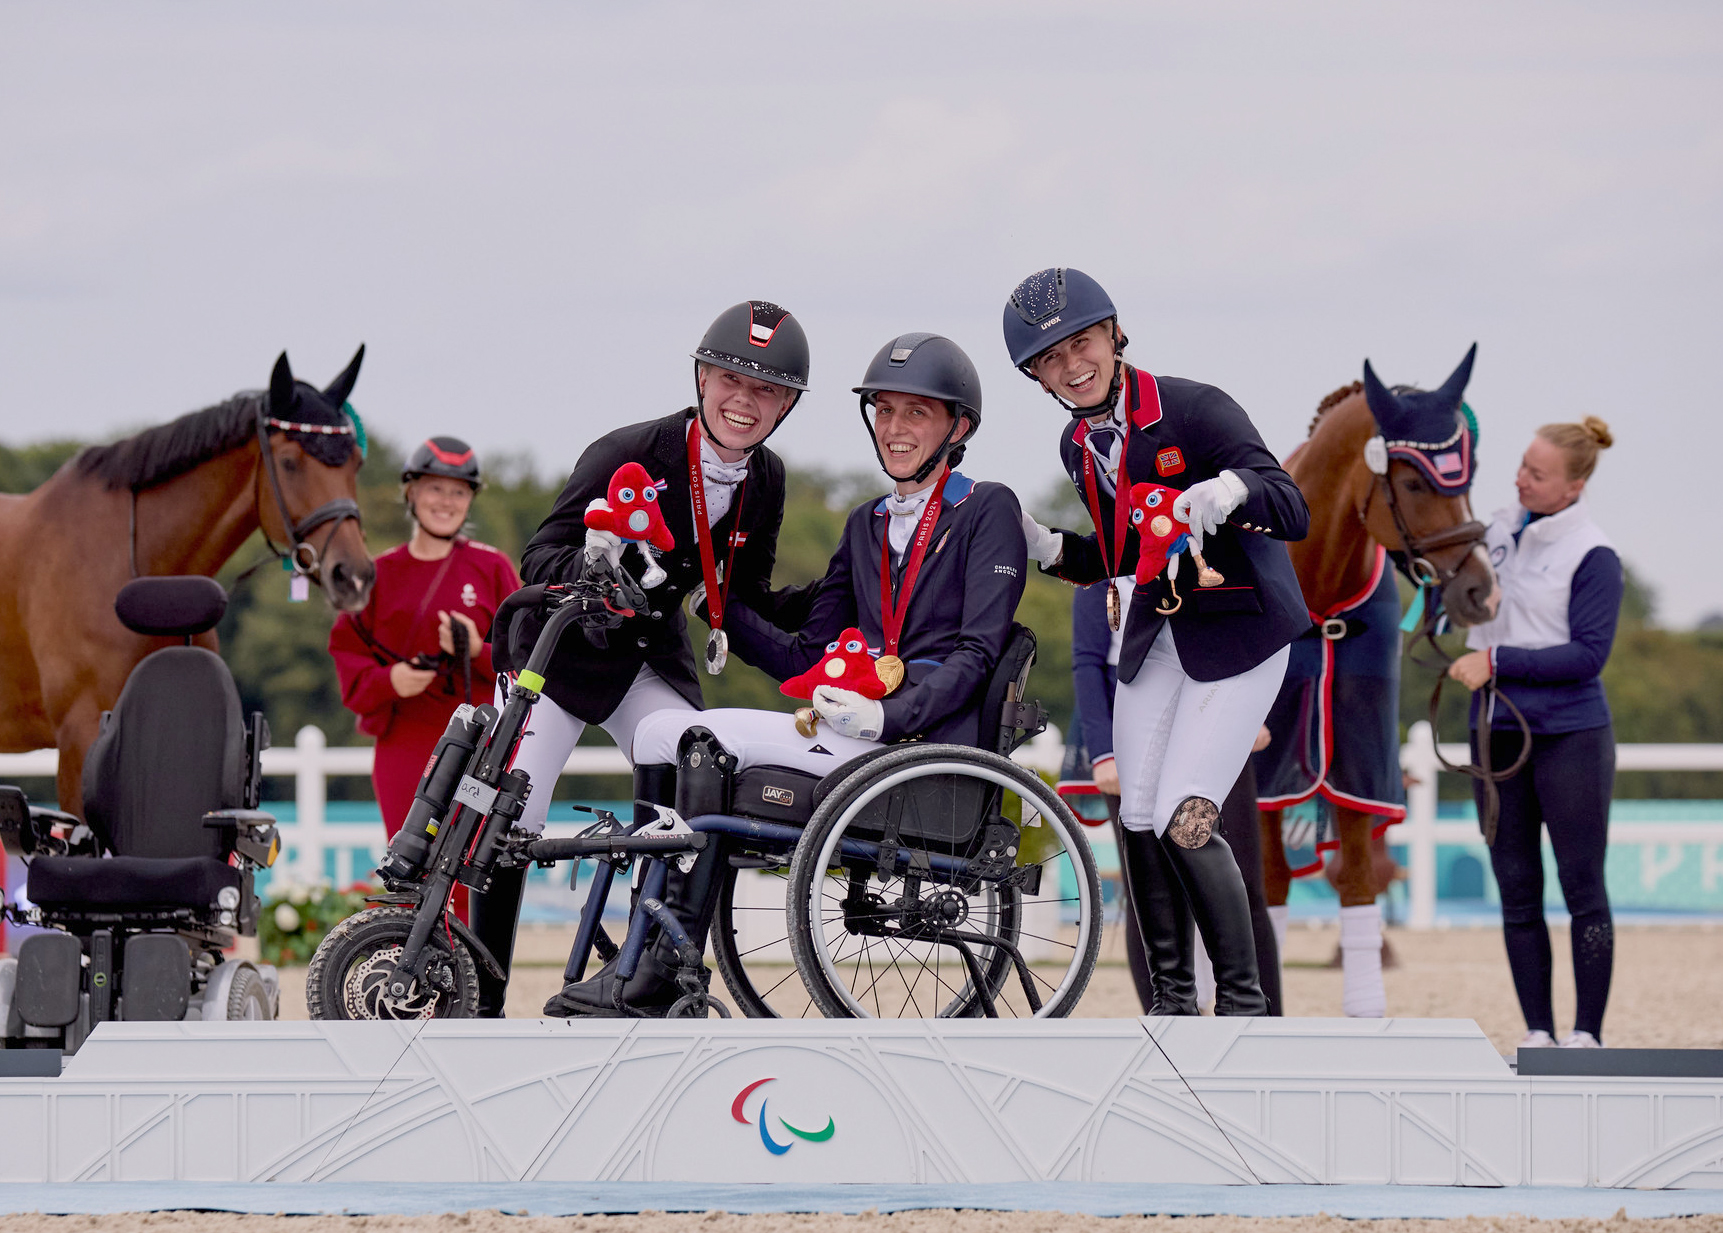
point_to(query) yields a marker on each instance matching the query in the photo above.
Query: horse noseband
(305, 555)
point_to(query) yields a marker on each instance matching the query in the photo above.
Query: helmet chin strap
(927, 468)
(706, 425)
(1114, 388)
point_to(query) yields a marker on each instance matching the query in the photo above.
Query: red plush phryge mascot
(846, 665)
(632, 512)
(1160, 536)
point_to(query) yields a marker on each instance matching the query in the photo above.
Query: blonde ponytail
(1580, 442)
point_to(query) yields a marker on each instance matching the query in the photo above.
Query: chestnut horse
(1358, 515)
(177, 499)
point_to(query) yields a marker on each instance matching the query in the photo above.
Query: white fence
(311, 835)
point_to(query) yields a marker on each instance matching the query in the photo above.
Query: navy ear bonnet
(1431, 429)
(1050, 306)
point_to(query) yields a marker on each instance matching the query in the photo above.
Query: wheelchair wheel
(751, 944)
(992, 903)
(348, 978)
(248, 997)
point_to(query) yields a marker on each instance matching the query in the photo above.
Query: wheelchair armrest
(36, 830)
(254, 835)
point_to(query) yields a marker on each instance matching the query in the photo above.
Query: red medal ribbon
(715, 594)
(1121, 493)
(890, 616)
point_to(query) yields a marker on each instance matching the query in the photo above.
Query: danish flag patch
(1170, 461)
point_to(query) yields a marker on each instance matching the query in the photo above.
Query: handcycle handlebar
(580, 847)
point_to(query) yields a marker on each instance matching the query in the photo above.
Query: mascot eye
(625, 495)
(830, 647)
(1152, 500)
(651, 494)
(852, 646)
(1137, 517)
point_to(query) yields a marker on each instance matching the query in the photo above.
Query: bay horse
(1377, 492)
(175, 499)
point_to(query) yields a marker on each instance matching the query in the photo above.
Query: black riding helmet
(449, 457)
(934, 367)
(757, 339)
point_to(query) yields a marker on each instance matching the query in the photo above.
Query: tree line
(1663, 685)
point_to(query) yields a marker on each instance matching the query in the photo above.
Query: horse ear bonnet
(1428, 428)
(281, 388)
(341, 388)
(303, 403)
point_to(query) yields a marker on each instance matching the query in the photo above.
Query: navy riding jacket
(1184, 432)
(959, 615)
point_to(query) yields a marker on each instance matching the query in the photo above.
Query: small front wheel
(350, 973)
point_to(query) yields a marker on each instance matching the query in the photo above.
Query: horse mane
(158, 454)
(1329, 403)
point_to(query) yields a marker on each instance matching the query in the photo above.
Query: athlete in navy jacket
(956, 572)
(1194, 687)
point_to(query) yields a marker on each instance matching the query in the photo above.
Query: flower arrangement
(296, 917)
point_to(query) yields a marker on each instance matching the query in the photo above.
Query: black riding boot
(1214, 889)
(701, 785)
(1163, 917)
(495, 918)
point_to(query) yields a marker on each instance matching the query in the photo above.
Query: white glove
(849, 712)
(1045, 547)
(605, 544)
(1205, 506)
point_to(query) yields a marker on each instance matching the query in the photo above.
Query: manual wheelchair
(917, 880)
(145, 895)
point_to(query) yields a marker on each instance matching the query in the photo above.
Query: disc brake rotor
(366, 993)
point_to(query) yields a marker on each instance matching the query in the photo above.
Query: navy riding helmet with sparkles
(1434, 430)
(1048, 307)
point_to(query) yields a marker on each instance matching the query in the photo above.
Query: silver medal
(717, 651)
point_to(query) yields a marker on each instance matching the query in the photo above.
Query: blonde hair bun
(1580, 442)
(1599, 430)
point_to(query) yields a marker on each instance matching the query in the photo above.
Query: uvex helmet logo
(772, 1145)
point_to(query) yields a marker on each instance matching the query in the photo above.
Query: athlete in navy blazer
(1199, 666)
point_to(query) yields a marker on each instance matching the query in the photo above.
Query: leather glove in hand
(605, 544)
(1205, 506)
(849, 713)
(1045, 547)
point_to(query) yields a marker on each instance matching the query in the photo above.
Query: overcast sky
(530, 211)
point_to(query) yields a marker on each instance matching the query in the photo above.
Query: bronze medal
(717, 651)
(1115, 607)
(890, 671)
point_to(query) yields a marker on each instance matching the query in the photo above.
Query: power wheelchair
(146, 893)
(918, 880)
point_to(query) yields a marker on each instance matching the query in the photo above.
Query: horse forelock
(157, 454)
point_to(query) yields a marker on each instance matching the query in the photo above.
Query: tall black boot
(1163, 917)
(495, 918)
(1214, 889)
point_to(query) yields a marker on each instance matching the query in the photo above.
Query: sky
(529, 212)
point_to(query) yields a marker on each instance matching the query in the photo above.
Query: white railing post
(311, 793)
(1418, 759)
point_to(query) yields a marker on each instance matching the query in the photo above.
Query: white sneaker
(1581, 1040)
(1537, 1039)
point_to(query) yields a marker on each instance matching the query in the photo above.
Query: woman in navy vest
(1561, 594)
(953, 552)
(1195, 685)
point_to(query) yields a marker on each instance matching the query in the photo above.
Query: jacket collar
(957, 488)
(1144, 406)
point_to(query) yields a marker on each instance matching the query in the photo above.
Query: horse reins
(1423, 572)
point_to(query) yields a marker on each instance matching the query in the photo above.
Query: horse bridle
(302, 556)
(1424, 572)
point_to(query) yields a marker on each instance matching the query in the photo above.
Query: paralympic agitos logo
(772, 1145)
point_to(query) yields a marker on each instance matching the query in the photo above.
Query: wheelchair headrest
(176, 607)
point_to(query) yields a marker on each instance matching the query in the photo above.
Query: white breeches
(757, 738)
(1174, 737)
(551, 734)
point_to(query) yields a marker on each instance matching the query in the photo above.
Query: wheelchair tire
(898, 957)
(346, 977)
(751, 945)
(248, 997)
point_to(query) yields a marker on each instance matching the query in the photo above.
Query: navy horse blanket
(1336, 723)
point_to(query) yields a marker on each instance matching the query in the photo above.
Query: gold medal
(1115, 607)
(806, 719)
(717, 651)
(890, 670)
(1207, 575)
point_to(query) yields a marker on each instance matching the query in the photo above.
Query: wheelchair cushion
(172, 750)
(774, 794)
(127, 881)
